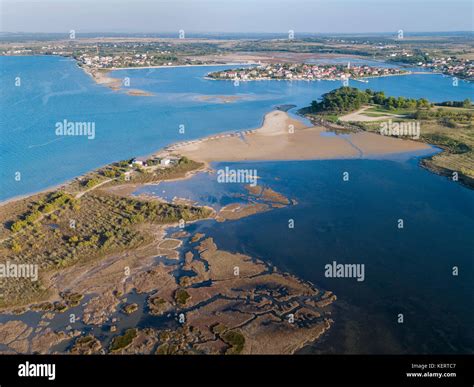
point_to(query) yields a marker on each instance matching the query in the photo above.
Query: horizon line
(239, 32)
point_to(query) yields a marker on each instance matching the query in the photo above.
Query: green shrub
(236, 340)
(121, 342)
(181, 296)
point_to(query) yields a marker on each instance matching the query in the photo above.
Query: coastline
(284, 138)
(101, 76)
(30, 194)
(187, 148)
(359, 79)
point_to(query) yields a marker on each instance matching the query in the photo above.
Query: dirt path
(358, 116)
(81, 194)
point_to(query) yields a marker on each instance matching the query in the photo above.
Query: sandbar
(282, 137)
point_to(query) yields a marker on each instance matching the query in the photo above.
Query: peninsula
(304, 72)
(284, 138)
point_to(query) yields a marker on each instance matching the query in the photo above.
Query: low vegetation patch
(235, 340)
(77, 230)
(347, 99)
(122, 342)
(181, 296)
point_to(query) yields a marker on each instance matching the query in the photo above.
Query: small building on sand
(141, 161)
(164, 162)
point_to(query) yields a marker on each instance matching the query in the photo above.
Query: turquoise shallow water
(54, 88)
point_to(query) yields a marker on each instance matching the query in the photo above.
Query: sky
(235, 16)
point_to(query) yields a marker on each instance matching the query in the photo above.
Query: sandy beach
(102, 77)
(284, 138)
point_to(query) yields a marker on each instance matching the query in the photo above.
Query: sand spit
(284, 138)
(103, 78)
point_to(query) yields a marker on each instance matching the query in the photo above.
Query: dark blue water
(54, 88)
(407, 270)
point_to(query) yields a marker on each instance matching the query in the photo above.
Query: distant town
(306, 72)
(456, 58)
(449, 65)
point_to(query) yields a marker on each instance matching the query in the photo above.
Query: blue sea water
(54, 89)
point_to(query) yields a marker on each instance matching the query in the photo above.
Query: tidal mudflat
(174, 292)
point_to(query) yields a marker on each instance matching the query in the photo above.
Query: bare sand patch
(103, 78)
(284, 138)
(223, 263)
(359, 116)
(238, 210)
(48, 339)
(137, 92)
(374, 144)
(170, 243)
(219, 98)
